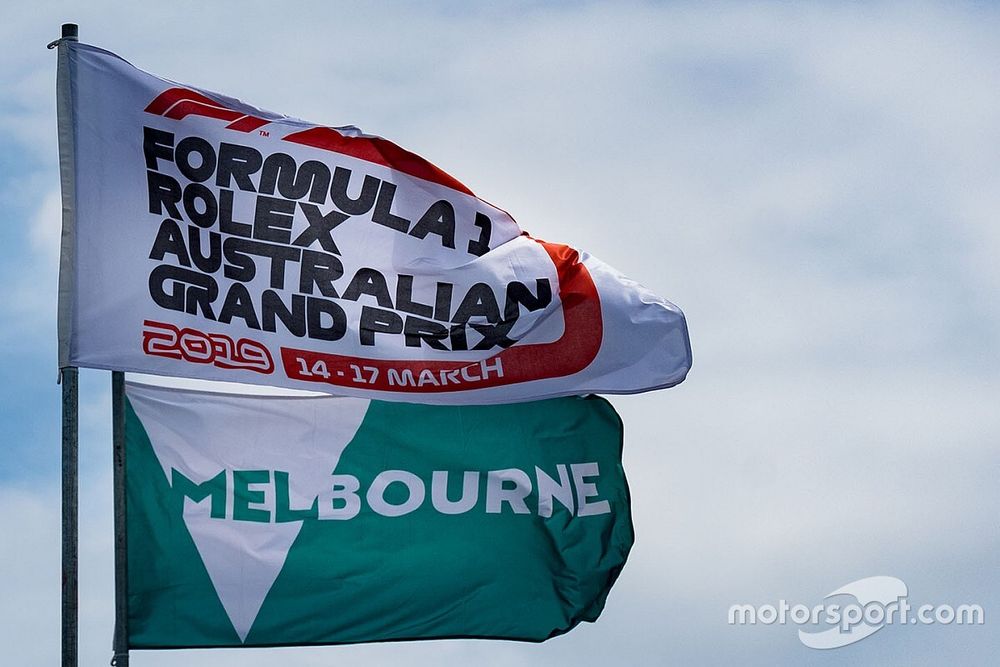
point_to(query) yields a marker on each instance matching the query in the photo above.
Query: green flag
(267, 521)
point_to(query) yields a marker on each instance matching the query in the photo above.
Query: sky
(817, 187)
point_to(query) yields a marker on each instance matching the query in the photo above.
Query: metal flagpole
(68, 376)
(121, 527)
(70, 432)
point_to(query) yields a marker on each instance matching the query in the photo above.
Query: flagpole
(121, 527)
(70, 562)
(68, 375)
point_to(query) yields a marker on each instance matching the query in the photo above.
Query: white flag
(210, 239)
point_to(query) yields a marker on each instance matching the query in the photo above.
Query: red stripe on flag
(188, 107)
(377, 150)
(178, 103)
(172, 96)
(247, 124)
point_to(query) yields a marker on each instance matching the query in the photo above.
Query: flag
(267, 521)
(207, 238)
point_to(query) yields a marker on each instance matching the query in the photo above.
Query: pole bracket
(70, 33)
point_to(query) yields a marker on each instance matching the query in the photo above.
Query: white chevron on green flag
(280, 520)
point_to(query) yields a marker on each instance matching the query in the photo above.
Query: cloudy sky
(817, 187)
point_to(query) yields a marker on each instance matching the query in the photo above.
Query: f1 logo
(177, 103)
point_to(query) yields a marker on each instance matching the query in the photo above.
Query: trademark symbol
(265, 133)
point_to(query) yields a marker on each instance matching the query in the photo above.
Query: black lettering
(193, 193)
(189, 290)
(478, 302)
(239, 304)
(494, 335)
(439, 219)
(226, 223)
(370, 282)
(272, 308)
(278, 254)
(316, 308)
(157, 144)
(206, 159)
(312, 177)
(458, 336)
(383, 206)
(375, 321)
(404, 298)
(164, 191)
(319, 228)
(319, 269)
(170, 240)
(364, 201)
(518, 295)
(243, 268)
(272, 220)
(211, 262)
(237, 163)
(239, 265)
(442, 302)
(419, 331)
(481, 246)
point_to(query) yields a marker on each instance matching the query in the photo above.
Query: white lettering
(344, 488)
(376, 492)
(497, 495)
(585, 489)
